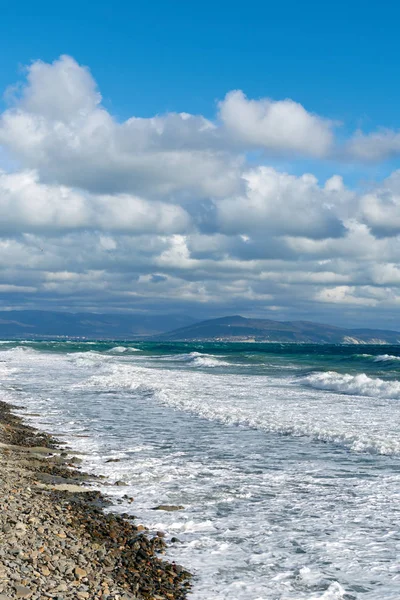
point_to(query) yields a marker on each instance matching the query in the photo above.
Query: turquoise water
(379, 359)
(286, 457)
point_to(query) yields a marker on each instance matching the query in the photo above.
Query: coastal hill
(240, 329)
(36, 323)
(28, 324)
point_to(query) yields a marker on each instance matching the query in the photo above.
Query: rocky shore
(56, 541)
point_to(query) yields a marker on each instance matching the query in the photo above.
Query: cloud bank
(180, 212)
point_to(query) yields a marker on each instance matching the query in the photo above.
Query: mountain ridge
(18, 324)
(242, 329)
(39, 323)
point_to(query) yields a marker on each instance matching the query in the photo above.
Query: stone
(62, 587)
(72, 549)
(168, 507)
(80, 573)
(62, 535)
(22, 592)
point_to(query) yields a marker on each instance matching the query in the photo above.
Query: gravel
(56, 541)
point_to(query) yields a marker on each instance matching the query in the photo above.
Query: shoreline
(57, 542)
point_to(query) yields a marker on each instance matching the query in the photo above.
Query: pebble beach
(56, 540)
(275, 471)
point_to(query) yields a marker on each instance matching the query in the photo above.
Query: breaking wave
(380, 358)
(386, 358)
(21, 350)
(123, 349)
(209, 361)
(358, 385)
(198, 359)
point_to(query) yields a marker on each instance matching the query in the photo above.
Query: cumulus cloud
(26, 205)
(60, 91)
(171, 213)
(380, 208)
(376, 146)
(271, 200)
(344, 294)
(58, 126)
(275, 125)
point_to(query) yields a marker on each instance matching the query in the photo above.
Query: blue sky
(148, 58)
(339, 58)
(208, 157)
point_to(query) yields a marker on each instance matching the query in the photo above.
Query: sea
(284, 457)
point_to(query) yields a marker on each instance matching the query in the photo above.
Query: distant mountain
(36, 323)
(52, 324)
(240, 329)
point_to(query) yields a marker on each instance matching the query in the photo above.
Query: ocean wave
(358, 385)
(250, 499)
(90, 358)
(278, 406)
(20, 350)
(378, 358)
(386, 358)
(210, 361)
(123, 349)
(198, 359)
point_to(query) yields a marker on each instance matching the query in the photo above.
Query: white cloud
(59, 127)
(376, 146)
(60, 91)
(380, 208)
(27, 205)
(283, 204)
(12, 289)
(344, 294)
(168, 212)
(275, 125)
(385, 274)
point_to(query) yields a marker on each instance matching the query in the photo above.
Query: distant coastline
(42, 325)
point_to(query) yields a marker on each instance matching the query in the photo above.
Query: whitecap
(386, 358)
(358, 385)
(123, 349)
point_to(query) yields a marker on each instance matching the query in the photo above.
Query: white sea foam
(275, 405)
(360, 385)
(88, 359)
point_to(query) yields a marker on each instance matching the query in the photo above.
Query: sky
(204, 158)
